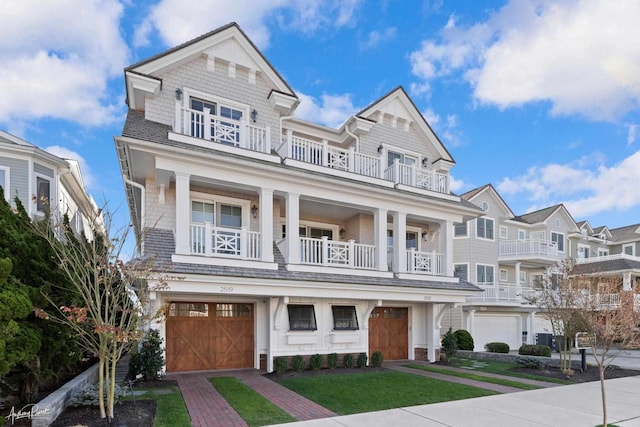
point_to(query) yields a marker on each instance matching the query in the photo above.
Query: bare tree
(106, 296)
(611, 320)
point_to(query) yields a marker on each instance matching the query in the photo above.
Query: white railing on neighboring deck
(607, 258)
(219, 241)
(335, 253)
(546, 248)
(503, 292)
(424, 262)
(223, 130)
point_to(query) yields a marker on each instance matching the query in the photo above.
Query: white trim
(494, 228)
(524, 232)
(466, 235)
(633, 248)
(203, 143)
(564, 240)
(217, 200)
(462, 263)
(504, 278)
(340, 271)
(49, 179)
(485, 265)
(7, 182)
(218, 100)
(403, 151)
(504, 235)
(230, 262)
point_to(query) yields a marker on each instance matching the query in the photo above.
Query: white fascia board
(223, 262)
(140, 84)
(214, 146)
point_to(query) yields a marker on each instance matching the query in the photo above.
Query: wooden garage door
(389, 332)
(204, 336)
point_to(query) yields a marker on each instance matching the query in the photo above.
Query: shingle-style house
(219, 175)
(42, 181)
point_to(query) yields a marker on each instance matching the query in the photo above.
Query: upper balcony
(222, 130)
(349, 160)
(503, 293)
(532, 250)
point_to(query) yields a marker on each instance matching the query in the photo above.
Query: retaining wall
(509, 358)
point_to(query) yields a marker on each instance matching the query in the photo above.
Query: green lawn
(501, 368)
(351, 394)
(171, 410)
(471, 376)
(250, 405)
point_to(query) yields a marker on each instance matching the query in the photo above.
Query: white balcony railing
(531, 247)
(335, 253)
(414, 176)
(607, 258)
(219, 241)
(503, 292)
(223, 130)
(323, 154)
(424, 262)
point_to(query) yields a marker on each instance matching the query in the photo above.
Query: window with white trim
(504, 275)
(404, 159)
(523, 277)
(629, 249)
(603, 252)
(4, 182)
(302, 317)
(522, 235)
(583, 252)
(484, 274)
(484, 206)
(504, 232)
(461, 271)
(43, 193)
(460, 230)
(344, 318)
(225, 217)
(484, 228)
(558, 239)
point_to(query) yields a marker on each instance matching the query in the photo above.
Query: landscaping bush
(147, 359)
(465, 340)
(332, 360)
(347, 361)
(376, 359)
(528, 362)
(534, 350)
(497, 347)
(362, 360)
(280, 364)
(298, 363)
(315, 362)
(449, 344)
(89, 396)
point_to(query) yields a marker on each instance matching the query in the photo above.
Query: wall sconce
(425, 162)
(380, 148)
(342, 233)
(254, 115)
(254, 211)
(178, 94)
(425, 235)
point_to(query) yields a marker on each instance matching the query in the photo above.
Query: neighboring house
(278, 236)
(41, 180)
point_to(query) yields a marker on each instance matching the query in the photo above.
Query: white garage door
(497, 328)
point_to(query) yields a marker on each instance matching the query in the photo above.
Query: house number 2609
(226, 289)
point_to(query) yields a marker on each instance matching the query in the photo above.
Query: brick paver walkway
(301, 408)
(207, 408)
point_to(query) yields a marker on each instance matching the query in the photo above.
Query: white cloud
(177, 23)
(431, 117)
(632, 133)
(375, 38)
(65, 153)
(57, 58)
(329, 110)
(581, 56)
(583, 188)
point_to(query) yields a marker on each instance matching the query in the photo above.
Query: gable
(399, 110)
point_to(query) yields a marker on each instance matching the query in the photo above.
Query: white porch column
(380, 238)
(531, 333)
(399, 242)
(446, 245)
(292, 224)
(471, 319)
(626, 282)
(518, 274)
(183, 213)
(433, 332)
(266, 224)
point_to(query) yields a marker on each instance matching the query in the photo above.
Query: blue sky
(539, 98)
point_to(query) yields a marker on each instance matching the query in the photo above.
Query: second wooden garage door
(203, 336)
(389, 332)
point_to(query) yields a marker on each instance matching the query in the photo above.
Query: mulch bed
(590, 374)
(130, 414)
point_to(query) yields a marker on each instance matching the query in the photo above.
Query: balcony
(424, 262)
(322, 154)
(208, 240)
(333, 253)
(529, 249)
(606, 258)
(222, 130)
(503, 293)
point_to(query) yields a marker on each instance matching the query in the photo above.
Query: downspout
(346, 128)
(142, 207)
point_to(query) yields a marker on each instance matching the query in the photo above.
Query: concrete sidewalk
(577, 405)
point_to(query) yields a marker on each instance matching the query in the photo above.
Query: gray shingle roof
(610, 266)
(626, 233)
(159, 246)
